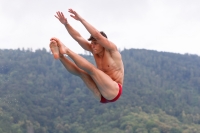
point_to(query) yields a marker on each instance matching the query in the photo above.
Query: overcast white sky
(162, 25)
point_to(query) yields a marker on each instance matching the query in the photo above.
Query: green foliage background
(161, 94)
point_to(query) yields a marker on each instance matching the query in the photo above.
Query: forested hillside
(161, 94)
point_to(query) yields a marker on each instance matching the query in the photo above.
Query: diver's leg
(107, 87)
(73, 69)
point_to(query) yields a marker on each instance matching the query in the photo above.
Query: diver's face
(96, 48)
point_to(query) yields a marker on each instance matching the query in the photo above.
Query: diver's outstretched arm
(74, 34)
(93, 31)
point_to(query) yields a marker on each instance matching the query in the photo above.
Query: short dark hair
(102, 33)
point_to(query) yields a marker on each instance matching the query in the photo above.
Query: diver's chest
(103, 64)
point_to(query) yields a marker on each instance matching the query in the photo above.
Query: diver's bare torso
(111, 64)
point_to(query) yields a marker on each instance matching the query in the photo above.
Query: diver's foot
(54, 49)
(62, 48)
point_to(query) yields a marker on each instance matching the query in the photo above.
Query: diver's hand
(60, 16)
(75, 15)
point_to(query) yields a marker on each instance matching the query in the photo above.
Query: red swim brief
(103, 100)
